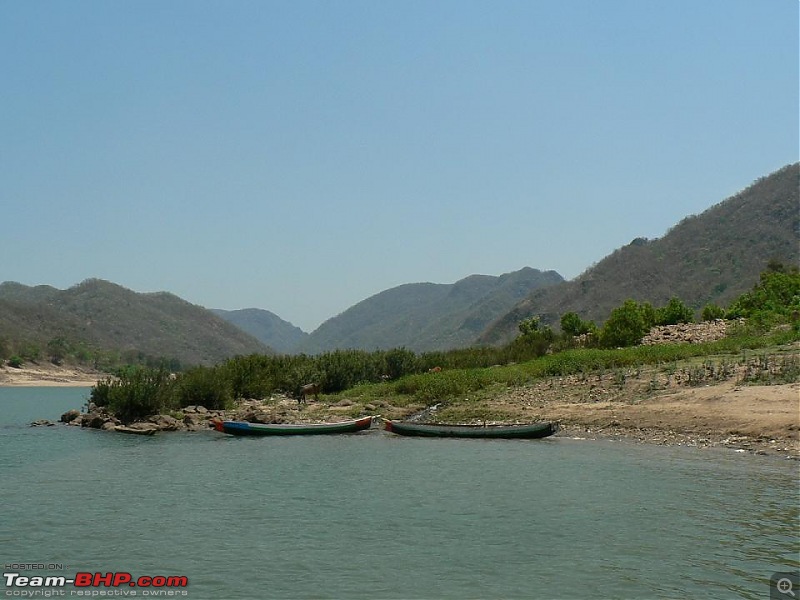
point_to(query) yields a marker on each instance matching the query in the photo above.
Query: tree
(57, 350)
(712, 312)
(625, 327)
(775, 298)
(572, 324)
(674, 312)
(529, 325)
(649, 314)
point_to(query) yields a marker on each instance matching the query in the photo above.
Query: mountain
(109, 317)
(427, 316)
(708, 258)
(265, 326)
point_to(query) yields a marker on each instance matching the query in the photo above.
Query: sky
(300, 156)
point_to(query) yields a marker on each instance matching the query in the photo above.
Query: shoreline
(760, 419)
(784, 449)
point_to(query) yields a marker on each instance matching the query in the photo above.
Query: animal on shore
(309, 389)
(435, 370)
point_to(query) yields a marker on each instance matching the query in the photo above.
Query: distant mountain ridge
(711, 257)
(110, 317)
(427, 316)
(708, 258)
(265, 326)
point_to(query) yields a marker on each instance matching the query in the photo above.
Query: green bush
(572, 324)
(202, 387)
(399, 362)
(529, 345)
(775, 299)
(430, 387)
(673, 313)
(15, 361)
(100, 395)
(711, 312)
(626, 326)
(139, 393)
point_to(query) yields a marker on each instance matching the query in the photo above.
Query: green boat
(245, 428)
(526, 431)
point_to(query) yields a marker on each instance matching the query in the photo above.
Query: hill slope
(711, 257)
(266, 327)
(109, 317)
(427, 316)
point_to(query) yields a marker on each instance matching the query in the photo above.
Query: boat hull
(263, 429)
(529, 431)
(133, 431)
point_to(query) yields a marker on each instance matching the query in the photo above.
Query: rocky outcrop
(278, 409)
(687, 333)
(70, 416)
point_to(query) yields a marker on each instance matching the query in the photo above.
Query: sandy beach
(48, 375)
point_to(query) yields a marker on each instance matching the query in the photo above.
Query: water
(377, 516)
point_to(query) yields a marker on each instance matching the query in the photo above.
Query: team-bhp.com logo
(94, 584)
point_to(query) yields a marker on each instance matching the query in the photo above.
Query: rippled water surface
(373, 515)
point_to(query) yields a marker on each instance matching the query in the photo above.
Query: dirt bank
(763, 418)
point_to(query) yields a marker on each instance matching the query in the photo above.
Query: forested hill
(265, 326)
(97, 315)
(427, 316)
(708, 258)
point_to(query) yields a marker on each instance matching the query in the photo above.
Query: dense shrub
(625, 327)
(342, 369)
(572, 324)
(202, 387)
(712, 312)
(775, 299)
(139, 393)
(399, 362)
(673, 313)
(101, 393)
(529, 345)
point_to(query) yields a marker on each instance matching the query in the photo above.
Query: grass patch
(458, 388)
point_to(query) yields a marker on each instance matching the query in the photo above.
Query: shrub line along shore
(637, 405)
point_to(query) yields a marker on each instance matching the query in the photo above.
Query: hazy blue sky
(300, 156)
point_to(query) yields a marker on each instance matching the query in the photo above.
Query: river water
(377, 516)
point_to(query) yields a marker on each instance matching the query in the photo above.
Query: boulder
(94, 420)
(143, 425)
(166, 423)
(70, 416)
(42, 423)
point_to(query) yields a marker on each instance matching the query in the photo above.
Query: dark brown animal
(309, 389)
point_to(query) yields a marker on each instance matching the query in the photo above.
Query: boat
(245, 428)
(134, 430)
(525, 431)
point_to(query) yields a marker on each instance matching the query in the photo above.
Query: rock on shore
(189, 418)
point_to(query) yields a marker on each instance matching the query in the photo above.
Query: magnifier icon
(785, 587)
